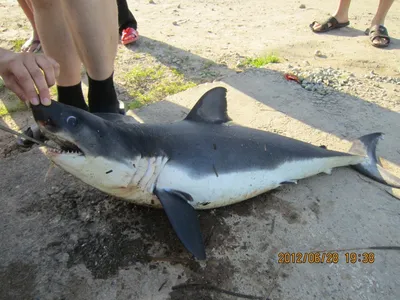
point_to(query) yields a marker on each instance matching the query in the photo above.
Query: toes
(380, 41)
(317, 26)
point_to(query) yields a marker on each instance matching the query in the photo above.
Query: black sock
(72, 95)
(102, 96)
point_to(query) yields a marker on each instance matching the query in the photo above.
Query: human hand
(27, 74)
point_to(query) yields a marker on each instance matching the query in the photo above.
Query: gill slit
(147, 171)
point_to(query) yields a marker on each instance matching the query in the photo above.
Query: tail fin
(371, 167)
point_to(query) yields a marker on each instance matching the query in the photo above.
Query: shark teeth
(61, 151)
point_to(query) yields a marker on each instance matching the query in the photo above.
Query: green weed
(17, 45)
(261, 61)
(10, 105)
(149, 84)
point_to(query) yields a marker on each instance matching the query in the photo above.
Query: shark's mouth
(62, 146)
(58, 144)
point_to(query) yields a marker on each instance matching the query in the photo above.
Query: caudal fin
(371, 167)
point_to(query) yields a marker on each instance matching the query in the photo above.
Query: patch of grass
(9, 102)
(176, 72)
(83, 71)
(209, 64)
(261, 61)
(11, 105)
(53, 91)
(17, 45)
(149, 84)
(137, 55)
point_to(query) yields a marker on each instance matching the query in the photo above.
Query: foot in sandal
(32, 45)
(378, 36)
(329, 24)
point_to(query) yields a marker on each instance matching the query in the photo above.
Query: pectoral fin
(184, 220)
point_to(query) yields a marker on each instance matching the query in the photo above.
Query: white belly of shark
(136, 179)
(214, 191)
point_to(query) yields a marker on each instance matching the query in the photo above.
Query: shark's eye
(48, 122)
(72, 121)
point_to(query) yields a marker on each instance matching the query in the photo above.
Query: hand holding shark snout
(29, 74)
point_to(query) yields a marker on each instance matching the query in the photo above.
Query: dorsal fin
(211, 108)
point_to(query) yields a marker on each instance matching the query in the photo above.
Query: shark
(203, 161)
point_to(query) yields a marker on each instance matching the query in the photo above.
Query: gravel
(387, 79)
(325, 81)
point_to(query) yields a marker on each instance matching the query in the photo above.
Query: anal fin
(184, 220)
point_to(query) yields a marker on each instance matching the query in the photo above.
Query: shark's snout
(59, 117)
(43, 114)
(75, 129)
(60, 123)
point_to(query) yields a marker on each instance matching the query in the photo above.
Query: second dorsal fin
(211, 108)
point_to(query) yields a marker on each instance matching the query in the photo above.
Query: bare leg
(31, 45)
(383, 9)
(341, 14)
(95, 32)
(57, 41)
(94, 26)
(75, 31)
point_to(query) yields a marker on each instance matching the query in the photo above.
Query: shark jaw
(104, 173)
(115, 178)
(132, 179)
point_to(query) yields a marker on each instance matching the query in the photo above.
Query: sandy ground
(61, 239)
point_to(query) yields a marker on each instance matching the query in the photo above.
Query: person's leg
(33, 44)
(125, 17)
(383, 9)
(127, 23)
(341, 14)
(95, 32)
(57, 43)
(379, 19)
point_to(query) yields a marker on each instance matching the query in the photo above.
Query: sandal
(328, 25)
(121, 108)
(380, 32)
(129, 35)
(29, 43)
